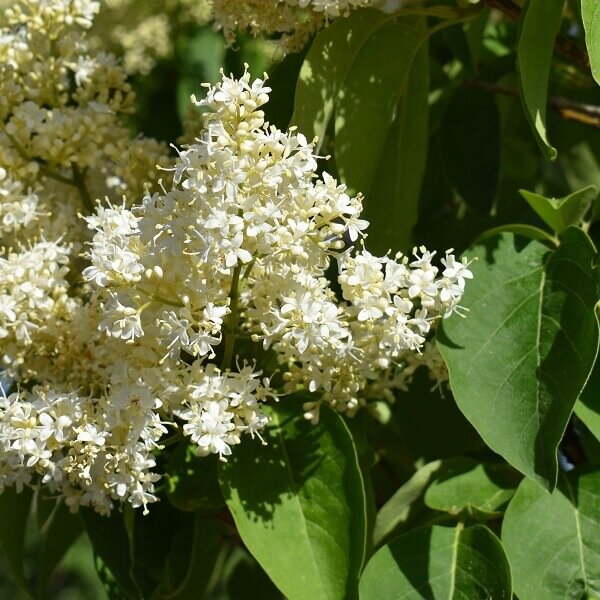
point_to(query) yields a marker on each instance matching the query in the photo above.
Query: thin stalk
(172, 439)
(78, 180)
(56, 176)
(587, 114)
(79, 183)
(232, 318)
(159, 297)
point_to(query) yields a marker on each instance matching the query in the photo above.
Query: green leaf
(59, 533)
(439, 562)
(110, 586)
(520, 160)
(540, 22)
(455, 39)
(151, 541)
(412, 431)
(455, 485)
(360, 427)
(192, 480)
(587, 442)
(299, 503)
(43, 507)
(402, 507)
(111, 545)
(560, 213)
(590, 12)
(14, 512)
(470, 136)
(325, 67)
(282, 80)
(587, 407)
(392, 203)
(381, 129)
(528, 231)
(334, 51)
(519, 360)
(474, 34)
(465, 485)
(192, 559)
(579, 145)
(553, 540)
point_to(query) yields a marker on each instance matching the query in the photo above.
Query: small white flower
(91, 434)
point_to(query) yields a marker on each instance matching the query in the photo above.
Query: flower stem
(79, 183)
(232, 318)
(78, 180)
(159, 298)
(172, 439)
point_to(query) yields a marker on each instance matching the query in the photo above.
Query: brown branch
(588, 114)
(565, 46)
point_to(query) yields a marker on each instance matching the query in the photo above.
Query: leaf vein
(512, 313)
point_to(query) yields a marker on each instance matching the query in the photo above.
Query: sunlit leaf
(404, 504)
(440, 563)
(299, 503)
(540, 22)
(590, 12)
(468, 486)
(553, 540)
(381, 130)
(519, 361)
(325, 67)
(560, 213)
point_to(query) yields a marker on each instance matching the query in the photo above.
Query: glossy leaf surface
(553, 540)
(540, 21)
(439, 562)
(305, 522)
(519, 361)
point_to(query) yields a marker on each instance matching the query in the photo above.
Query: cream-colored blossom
(143, 32)
(62, 142)
(293, 21)
(248, 227)
(143, 342)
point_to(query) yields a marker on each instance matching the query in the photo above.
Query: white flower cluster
(56, 17)
(18, 207)
(222, 406)
(364, 347)
(239, 246)
(84, 451)
(293, 20)
(96, 444)
(62, 143)
(144, 32)
(32, 286)
(243, 201)
(186, 291)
